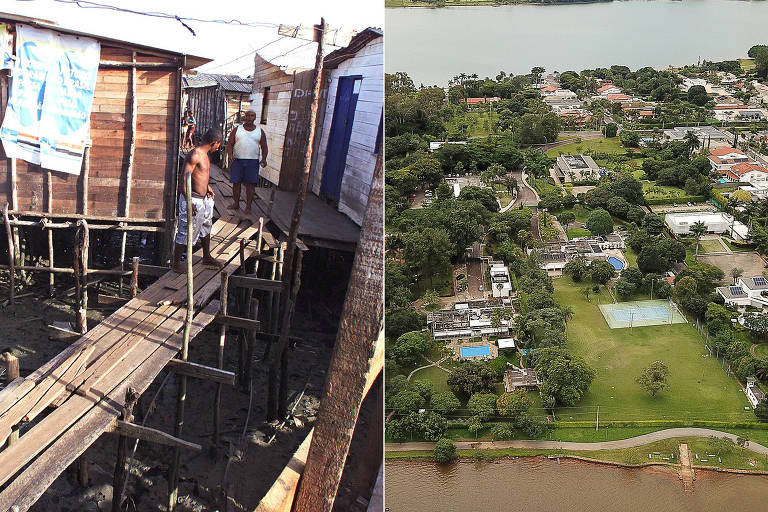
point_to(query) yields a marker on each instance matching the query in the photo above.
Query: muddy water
(541, 485)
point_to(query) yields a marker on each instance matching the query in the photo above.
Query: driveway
(526, 196)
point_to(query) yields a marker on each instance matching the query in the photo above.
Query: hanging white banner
(47, 119)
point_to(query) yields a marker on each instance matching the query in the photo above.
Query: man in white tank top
(247, 149)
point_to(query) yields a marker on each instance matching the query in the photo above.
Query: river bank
(490, 3)
(540, 484)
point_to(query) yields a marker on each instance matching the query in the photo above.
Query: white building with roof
(500, 281)
(716, 222)
(755, 395)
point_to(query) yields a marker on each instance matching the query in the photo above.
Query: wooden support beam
(136, 65)
(49, 189)
(118, 480)
(224, 292)
(83, 243)
(237, 321)
(129, 170)
(199, 371)
(11, 256)
(84, 177)
(255, 283)
(11, 375)
(151, 435)
(13, 392)
(153, 270)
(135, 277)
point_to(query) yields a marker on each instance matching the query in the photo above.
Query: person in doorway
(199, 165)
(247, 149)
(191, 124)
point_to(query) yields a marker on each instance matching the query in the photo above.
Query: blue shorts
(244, 170)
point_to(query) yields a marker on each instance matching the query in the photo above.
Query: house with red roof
(477, 101)
(617, 98)
(725, 157)
(746, 172)
(548, 89)
(607, 89)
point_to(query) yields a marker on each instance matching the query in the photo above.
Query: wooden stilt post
(84, 175)
(173, 480)
(135, 277)
(51, 278)
(272, 385)
(222, 339)
(11, 257)
(11, 374)
(129, 171)
(244, 301)
(15, 206)
(82, 314)
(82, 321)
(293, 233)
(118, 480)
(282, 397)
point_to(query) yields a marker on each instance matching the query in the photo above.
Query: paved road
(525, 194)
(566, 445)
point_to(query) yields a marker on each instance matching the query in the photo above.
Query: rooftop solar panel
(760, 281)
(736, 290)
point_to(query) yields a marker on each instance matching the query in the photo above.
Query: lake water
(434, 45)
(541, 485)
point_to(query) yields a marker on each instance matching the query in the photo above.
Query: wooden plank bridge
(87, 382)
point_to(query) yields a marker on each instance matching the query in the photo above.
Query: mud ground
(236, 473)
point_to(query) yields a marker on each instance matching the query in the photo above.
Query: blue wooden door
(341, 130)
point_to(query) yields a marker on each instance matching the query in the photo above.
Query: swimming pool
(484, 350)
(616, 262)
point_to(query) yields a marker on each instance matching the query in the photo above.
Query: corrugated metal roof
(230, 83)
(333, 59)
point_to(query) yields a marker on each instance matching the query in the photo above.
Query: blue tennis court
(483, 351)
(641, 313)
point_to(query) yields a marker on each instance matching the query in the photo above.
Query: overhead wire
(245, 55)
(281, 55)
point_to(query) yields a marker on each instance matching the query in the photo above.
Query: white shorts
(201, 221)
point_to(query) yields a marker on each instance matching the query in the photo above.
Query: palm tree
(736, 273)
(698, 229)
(692, 141)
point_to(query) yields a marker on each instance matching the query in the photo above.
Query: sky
(230, 45)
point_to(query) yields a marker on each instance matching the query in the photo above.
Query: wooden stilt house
(128, 175)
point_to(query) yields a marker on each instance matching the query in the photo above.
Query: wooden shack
(280, 96)
(216, 99)
(128, 177)
(350, 128)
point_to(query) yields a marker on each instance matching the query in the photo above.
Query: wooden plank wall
(207, 103)
(154, 170)
(361, 157)
(281, 90)
(294, 145)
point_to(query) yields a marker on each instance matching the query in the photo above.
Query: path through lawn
(699, 387)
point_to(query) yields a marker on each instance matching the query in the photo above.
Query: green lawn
(747, 64)
(442, 283)
(710, 246)
(597, 145)
(631, 256)
(699, 387)
(543, 186)
(479, 124)
(578, 232)
(504, 198)
(438, 377)
(761, 351)
(653, 191)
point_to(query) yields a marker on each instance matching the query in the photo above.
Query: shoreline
(666, 466)
(481, 3)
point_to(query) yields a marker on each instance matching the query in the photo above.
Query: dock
(686, 471)
(86, 383)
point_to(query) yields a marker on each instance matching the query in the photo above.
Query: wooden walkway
(321, 224)
(128, 349)
(686, 471)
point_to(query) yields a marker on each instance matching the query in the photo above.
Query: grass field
(597, 145)
(438, 377)
(479, 124)
(698, 387)
(653, 191)
(761, 351)
(578, 232)
(441, 283)
(710, 246)
(747, 64)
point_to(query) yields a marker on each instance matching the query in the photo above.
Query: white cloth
(247, 143)
(201, 222)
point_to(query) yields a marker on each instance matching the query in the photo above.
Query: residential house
(609, 89)
(548, 89)
(521, 378)
(500, 279)
(570, 168)
(745, 172)
(555, 255)
(723, 158)
(748, 291)
(618, 98)
(708, 135)
(479, 101)
(469, 320)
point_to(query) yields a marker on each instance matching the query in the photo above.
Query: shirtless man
(247, 150)
(197, 163)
